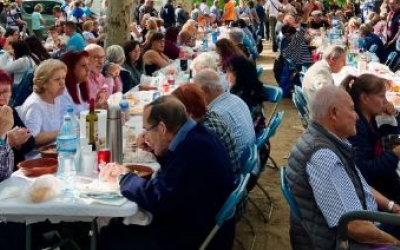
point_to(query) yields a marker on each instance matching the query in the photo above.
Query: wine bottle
(91, 126)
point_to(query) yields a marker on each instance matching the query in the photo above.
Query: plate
(103, 195)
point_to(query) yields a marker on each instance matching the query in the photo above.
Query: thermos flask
(114, 134)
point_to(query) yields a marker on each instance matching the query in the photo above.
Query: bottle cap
(124, 105)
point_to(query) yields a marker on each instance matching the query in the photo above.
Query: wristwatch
(390, 206)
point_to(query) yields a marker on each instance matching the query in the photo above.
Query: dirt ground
(274, 234)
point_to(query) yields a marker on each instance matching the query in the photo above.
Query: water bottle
(67, 144)
(205, 42)
(124, 106)
(76, 128)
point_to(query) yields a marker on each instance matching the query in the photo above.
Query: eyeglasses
(149, 129)
(98, 58)
(5, 93)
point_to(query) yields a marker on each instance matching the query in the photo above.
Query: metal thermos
(114, 134)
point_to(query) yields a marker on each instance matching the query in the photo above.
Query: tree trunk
(119, 17)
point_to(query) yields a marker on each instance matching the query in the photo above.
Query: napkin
(12, 187)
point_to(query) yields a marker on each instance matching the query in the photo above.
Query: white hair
(334, 52)
(208, 79)
(205, 60)
(323, 99)
(115, 54)
(236, 35)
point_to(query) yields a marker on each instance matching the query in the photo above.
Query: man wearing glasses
(194, 180)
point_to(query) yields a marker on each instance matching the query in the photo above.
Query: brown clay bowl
(142, 171)
(38, 167)
(49, 151)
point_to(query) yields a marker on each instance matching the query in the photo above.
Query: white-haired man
(233, 110)
(326, 183)
(320, 74)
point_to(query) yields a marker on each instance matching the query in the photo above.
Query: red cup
(103, 157)
(166, 88)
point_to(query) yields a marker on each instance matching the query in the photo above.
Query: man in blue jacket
(194, 181)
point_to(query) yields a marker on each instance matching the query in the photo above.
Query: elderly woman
(242, 76)
(132, 67)
(41, 111)
(153, 56)
(192, 96)
(236, 35)
(76, 93)
(19, 138)
(377, 165)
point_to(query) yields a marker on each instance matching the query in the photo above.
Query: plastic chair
(228, 209)
(294, 209)
(300, 103)
(373, 48)
(274, 95)
(259, 70)
(263, 137)
(392, 55)
(342, 232)
(249, 159)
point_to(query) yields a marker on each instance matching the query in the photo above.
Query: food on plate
(44, 188)
(49, 151)
(136, 110)
(142, 171)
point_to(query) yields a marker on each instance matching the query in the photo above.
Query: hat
(316, 13)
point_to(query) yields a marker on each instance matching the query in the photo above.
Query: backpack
(24, 88)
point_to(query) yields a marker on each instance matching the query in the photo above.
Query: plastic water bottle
(124, 106)
(67, 144)
(205, 41)
(76, 128)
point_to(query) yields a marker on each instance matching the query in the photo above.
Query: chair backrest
(259, 70)
(263, 138)
(392, 55)
(276, 121)
(249, 159)
(373, 48)
(228, 209)
(274, 95)
(288, 195)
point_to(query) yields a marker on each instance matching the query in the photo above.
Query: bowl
(49, 151)
(38, 167)
(142, 171)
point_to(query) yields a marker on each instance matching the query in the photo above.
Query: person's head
(57, 11)
(251, 4)
(70, 28)
(241, 71)
(236, 35)
(78, 71)
(157, 42)
(96, 26)
(226, 49)
(192, 96)
(38, 8)
(210, 83)
(13, 8)
(115, 54)
(21, 49)
(132, 51)
(184, 38)
(53, 32)
(5, 87)
(336, 58)
(216, 3)
(317, 15)
(149, 3)
(151, 24)
(162, 120)
(10, 32)
(354, 24)
(171, 34)
(365, 29)
(368, 93)
(333, 109)
(393, 5)
(97, 57)
(288, 31)
(49, 78)
(205, 60)
(289, 20)
(36, 47)
(88, 25)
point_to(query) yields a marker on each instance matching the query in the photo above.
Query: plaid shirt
(6, 161)
(215, 123)
(333, 190)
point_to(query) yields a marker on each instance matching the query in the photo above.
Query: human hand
(113, 70)
(18, 136)
(101, 98)
(396, 151)
(142, 144)
(111, 171)
(6, 120)
(389, 109)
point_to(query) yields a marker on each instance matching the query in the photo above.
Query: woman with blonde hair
(38, 21)
(41, 110)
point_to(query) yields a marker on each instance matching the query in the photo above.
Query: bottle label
(66, 144)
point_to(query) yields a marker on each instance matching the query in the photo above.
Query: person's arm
(367, 232)
(41, 19)
(155, 58)
(27, 145)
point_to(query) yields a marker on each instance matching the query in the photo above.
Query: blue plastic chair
(294, 209)
(373, 48)
(259, 70)
(300, 103)
(391, 57)
(249, 160)
(263, 138)
(273, 94)
(228, 209)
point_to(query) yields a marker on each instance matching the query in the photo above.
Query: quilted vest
(313, 232)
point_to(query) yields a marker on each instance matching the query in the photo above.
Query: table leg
(28, 237)
(93, 238)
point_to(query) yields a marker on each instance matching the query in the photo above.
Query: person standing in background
(261, 15)
(272, 9)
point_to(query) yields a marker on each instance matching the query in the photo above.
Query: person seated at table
(325, 181)
(226, 49)
(352, 31)
(76, 41)
(244, 82)
(6, 152)
(54, 42)
(19, 138)
(320, 74)
(230, 107)
(185, 39)
(236, 35)
(36, 48)
(153, 56)
(378, 166)
(318, 21)
(41, 110)
(76, 92)
(171, 49)
(132, 65)
(182, 204)
(192, 96)
(370, 38)
(191, 27)
(100, 86)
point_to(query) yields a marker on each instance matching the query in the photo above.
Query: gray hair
(208, 79)
(205, 60)
(325, 98)
(333, 52)
(92, 47)
(115, 54)
(236, 35)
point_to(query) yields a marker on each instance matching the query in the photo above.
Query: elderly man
(101, 87)
(325, 181)
(237, 36)
(320, 74)
(194, 181)
(233, 110)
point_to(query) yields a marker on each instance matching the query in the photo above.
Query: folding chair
(259, 70)
(294, 209)
(373, 48)
(273, 94)
(391, 57)
(228, 209)
(300, 103)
